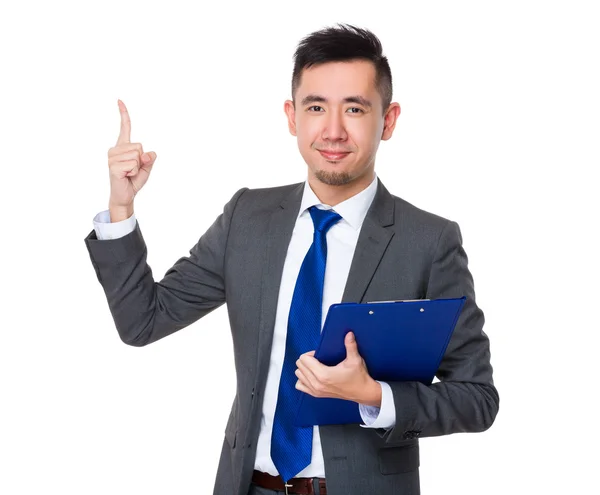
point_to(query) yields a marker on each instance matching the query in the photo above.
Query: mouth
(330, 155)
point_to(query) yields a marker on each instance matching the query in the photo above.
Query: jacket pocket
(394, 460)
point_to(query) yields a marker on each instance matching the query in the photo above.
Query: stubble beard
(333, 178)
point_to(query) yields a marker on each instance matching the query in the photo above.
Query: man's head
(341, 102)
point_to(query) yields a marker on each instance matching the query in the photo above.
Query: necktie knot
(323, 220)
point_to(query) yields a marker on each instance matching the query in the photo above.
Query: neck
(333, 195)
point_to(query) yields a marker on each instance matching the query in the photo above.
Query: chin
(333, 178)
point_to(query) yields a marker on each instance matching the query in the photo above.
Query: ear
(391, 116)
(288, 107)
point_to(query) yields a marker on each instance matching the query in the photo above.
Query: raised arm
(144, 310)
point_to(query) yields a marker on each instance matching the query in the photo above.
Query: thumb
(351, 346)
(149, 157)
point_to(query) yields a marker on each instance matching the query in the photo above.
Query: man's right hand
(129, 169)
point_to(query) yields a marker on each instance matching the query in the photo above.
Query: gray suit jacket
(402, 252)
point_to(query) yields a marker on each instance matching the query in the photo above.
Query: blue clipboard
(399, 341)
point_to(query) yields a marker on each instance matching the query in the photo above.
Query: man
(260, 255)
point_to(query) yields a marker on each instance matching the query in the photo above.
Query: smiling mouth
(334, 155)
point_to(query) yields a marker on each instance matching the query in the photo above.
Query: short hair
(343, 43)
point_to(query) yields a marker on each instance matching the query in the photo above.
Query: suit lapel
(373, 241)
(279, 234)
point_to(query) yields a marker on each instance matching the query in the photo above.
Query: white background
(498, 131)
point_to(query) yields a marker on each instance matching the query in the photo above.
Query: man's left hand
(348, 380)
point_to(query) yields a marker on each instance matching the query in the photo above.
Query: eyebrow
(349, 99)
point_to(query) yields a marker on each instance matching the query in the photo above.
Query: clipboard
(399, 341)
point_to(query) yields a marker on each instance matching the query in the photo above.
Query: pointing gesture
(129, 168)
(125, 134)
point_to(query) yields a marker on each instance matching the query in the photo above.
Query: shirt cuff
(105, 229)
(380, 417)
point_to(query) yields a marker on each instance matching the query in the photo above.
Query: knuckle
(136, 147)
(121, 158)
(116, 151)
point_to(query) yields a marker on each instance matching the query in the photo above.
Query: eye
(356, 108)
(314, 106)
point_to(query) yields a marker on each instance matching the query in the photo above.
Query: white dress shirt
(341, 243)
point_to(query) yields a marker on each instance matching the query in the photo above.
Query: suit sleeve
(144, 310)
(465, 399)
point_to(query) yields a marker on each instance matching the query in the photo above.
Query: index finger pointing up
(125, 134)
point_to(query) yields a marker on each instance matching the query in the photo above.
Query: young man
(280, 257)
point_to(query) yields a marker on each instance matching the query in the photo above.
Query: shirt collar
(353, 210)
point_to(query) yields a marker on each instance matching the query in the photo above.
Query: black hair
(343, 43)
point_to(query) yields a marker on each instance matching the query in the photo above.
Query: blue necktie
(291, 446)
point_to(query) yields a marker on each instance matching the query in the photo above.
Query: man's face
(339, 121)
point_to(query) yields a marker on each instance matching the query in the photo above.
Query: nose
(334, 127)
